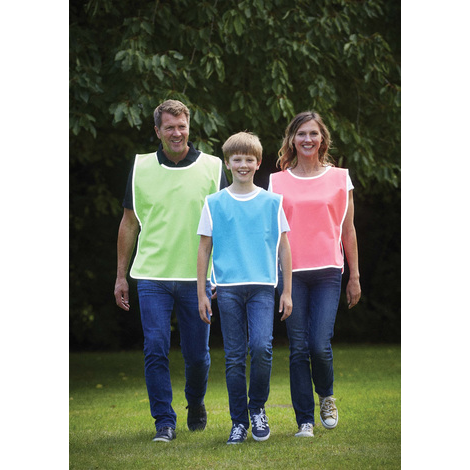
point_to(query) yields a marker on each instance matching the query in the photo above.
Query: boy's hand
(285, 305)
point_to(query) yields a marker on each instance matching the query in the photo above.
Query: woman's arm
(353, 289)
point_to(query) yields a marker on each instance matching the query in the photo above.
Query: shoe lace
(237, 431)
(305, 427)
(328, 408)
(260, 420)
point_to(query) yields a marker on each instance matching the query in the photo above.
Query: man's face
(174, 134)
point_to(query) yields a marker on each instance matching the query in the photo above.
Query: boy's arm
(203, 256)
(285, 302)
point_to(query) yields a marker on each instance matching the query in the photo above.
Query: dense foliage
(238, 65)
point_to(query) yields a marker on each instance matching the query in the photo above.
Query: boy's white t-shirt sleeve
(205, 225)
(284, 224)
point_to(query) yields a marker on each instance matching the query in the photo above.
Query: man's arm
(128, 231)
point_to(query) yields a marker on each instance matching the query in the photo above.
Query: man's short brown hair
(173, 107)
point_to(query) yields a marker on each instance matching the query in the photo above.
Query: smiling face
(174, 134)
(307, 140)
(243, 168)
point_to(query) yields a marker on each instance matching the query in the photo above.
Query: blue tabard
(245, 236)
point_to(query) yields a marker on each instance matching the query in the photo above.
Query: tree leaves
(238, 65)
(257, 62)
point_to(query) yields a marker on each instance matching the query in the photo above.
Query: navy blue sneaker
(259, 425)
(166, 434)
(237, 434)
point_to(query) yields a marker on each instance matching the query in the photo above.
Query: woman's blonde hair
(288, 154)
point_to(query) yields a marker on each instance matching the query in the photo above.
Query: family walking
(193, 232)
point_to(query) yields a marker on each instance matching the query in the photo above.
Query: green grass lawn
(111, 427)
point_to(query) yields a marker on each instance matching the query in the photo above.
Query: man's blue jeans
(157, 300)
(310, 328)
(246, 311)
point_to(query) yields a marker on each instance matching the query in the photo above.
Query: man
(164, 198)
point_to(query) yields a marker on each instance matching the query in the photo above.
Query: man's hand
(121, 294)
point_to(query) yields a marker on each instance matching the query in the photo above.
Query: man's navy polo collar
(190, 158)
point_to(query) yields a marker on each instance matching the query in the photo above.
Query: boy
(246, 227)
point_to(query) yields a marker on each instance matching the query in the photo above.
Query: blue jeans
(310, 328)
(157, 299)
(246, 311)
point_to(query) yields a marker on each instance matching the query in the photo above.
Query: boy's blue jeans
(310, 328)
(157, 300)
(246, 318)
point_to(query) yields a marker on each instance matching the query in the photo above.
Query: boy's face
(243, 167)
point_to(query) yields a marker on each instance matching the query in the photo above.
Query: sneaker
(305, 430)
(328, 412)
(259, 425)
(166, 434)
(237, 434)
(197, 417)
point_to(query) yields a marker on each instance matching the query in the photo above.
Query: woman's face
(307, 140)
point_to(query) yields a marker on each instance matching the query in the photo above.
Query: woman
(319, 206)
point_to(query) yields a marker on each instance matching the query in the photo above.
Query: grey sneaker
(328, 412)
(305, 430)
(166, 434)
(237, 434)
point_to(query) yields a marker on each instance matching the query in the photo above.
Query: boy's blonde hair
(243, 143)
